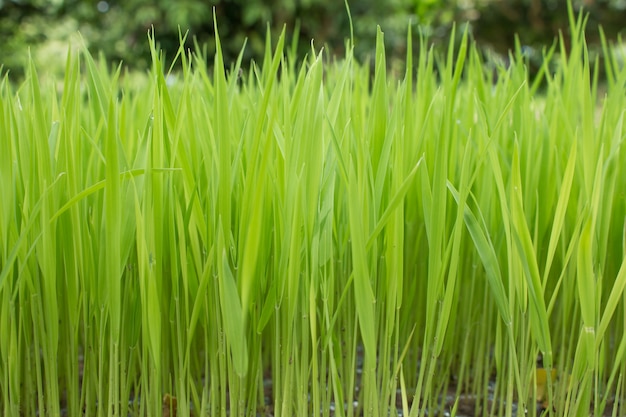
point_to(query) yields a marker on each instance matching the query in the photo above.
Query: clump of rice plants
(310, 238)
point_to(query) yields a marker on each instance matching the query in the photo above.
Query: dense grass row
(355, 239)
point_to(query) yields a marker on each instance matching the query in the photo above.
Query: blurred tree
(538, 22)
(118, 28)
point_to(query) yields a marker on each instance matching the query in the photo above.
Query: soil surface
(468, 405)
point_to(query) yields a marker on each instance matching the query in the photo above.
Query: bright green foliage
(350, 240)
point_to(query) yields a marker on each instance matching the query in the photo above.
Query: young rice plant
(311, 238)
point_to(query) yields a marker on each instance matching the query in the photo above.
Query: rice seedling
(309, 238)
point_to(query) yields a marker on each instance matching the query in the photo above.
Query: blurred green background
(119, 28)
